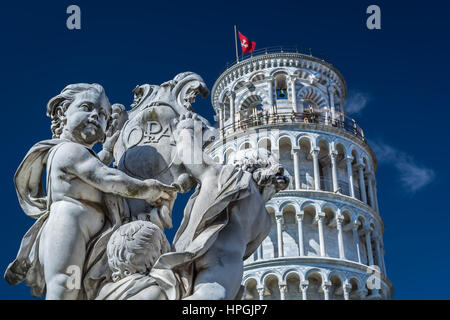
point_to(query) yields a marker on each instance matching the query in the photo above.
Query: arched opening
(311, 242)
(341, 169)
(331, 246)
(326, 182)
(372, 244)
(293, 286)
(251, 112)
(226, 109)
(347, 218)
(281, 87)
(347, 235)
(290, 232)
(285, 148)
(245, 145)
(313, 105)
(367, 181)
(229, 155)
(356, 175)
(272, 289)
(251, 292)
(258, 77)
(337, 103)
(362, 245)
(314, 291)
(269, 244)
(356, 291)
(309, 109)
(306, 164)
(330, 215)
(308, 105)
(315, 98)
(336, 289)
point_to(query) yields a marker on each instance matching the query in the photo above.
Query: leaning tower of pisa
(326, 237)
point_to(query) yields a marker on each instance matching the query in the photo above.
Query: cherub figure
(224, 221)
(132, 251)
(73, 212)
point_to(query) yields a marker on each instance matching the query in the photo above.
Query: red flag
(246, 45)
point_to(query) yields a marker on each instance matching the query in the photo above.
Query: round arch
(284, 136)
(329, 205)
(321, 137)
(292, 271)
(312, 94)
(258, 76)
(255, 95)
(237, 85)
(249, 278)
(244, 143)
(350, 211)
(336, 273)
(318, 271)
(269, 274)
(224, 94)
(309, 203)
(304, 137)
(272, 208)
(290, 203)
(280, 71)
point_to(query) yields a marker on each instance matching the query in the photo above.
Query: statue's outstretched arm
(81, 163)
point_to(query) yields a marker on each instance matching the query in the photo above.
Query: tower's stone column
(315, 155)
(295, 155)
(279, 220)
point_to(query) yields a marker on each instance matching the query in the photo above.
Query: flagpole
(235, 41)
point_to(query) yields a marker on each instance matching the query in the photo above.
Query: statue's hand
(118, 118)
(157, 192)
(110, 142)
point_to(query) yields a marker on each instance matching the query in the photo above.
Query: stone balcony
(339, 121)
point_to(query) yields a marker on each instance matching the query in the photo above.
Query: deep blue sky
(400, 71)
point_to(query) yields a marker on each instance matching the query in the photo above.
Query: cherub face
(87, 118)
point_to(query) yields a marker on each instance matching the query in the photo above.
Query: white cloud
(383, 152)
(356, 102)
(412, 175)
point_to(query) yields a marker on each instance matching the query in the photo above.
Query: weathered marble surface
(108, 223)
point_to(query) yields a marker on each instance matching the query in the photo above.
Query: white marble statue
(75, 209)
(109, 222)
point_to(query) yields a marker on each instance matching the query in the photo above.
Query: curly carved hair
(58, 105)
(134, 248)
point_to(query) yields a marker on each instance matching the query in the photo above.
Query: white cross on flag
(247, 46)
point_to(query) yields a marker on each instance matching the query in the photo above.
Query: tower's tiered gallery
(326, 240)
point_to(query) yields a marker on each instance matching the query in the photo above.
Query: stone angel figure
(224, 221)
(132, 251)
(82, 204)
